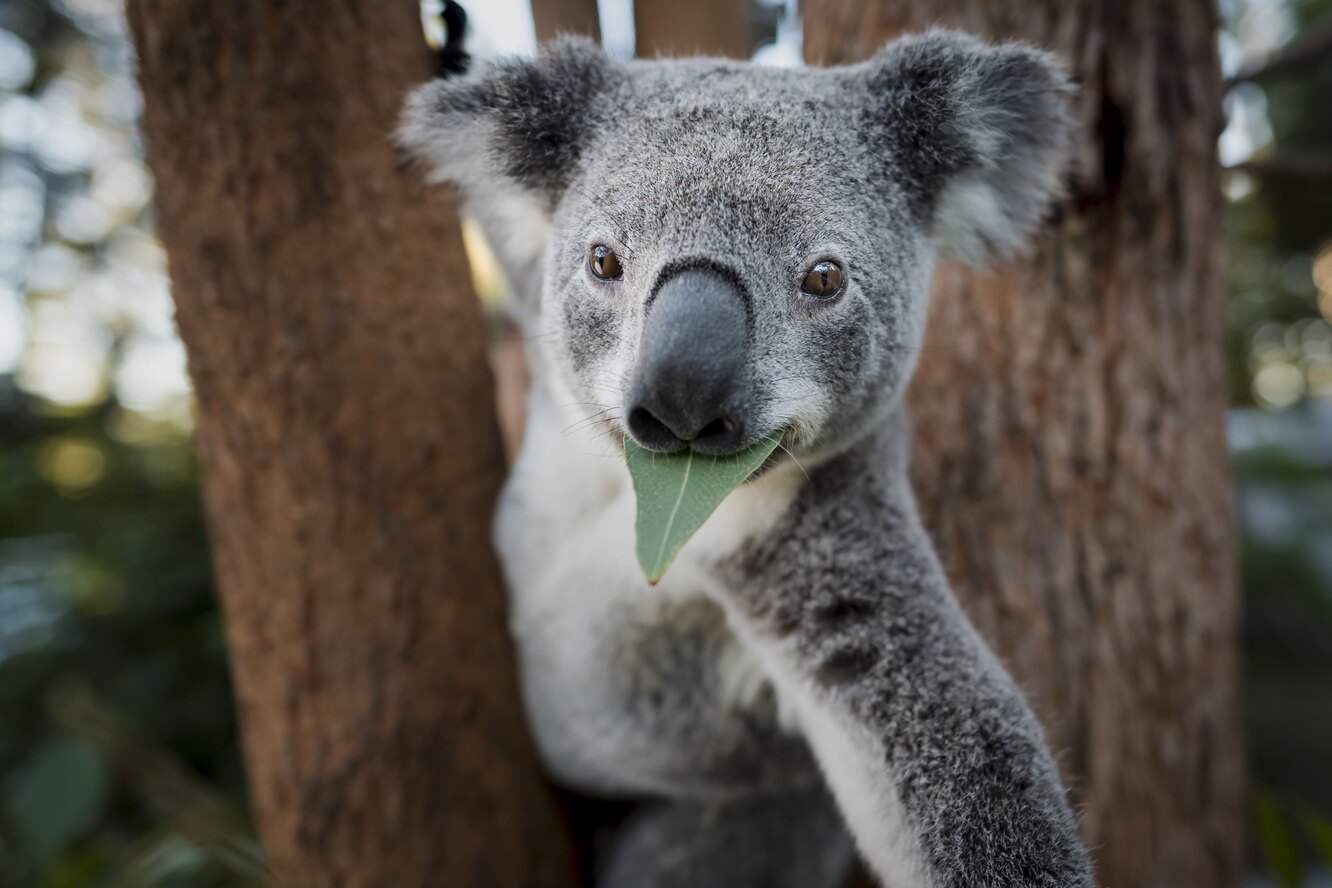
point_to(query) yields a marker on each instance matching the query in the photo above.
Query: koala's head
(727, 252)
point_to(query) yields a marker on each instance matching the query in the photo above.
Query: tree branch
(1312, 46)
(1306, 165)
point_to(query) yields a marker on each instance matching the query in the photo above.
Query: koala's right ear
(979, 135)
(516, 122)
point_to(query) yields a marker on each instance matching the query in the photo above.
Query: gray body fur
(806, 638)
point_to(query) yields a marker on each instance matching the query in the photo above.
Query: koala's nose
(689, 386)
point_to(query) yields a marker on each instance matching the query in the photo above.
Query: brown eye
(823, 281)
(604, 263)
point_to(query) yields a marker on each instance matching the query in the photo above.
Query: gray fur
(866, 607)
(759, 842)
(810, 614)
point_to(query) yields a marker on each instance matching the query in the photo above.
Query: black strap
(453, 57)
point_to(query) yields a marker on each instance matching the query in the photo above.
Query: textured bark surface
(554, 17)
(693, 27)
(349, 446)
(1069, 433)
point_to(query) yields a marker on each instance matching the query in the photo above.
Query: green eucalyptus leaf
(677, 492)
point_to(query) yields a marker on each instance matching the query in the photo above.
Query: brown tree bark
(1070, 450)
(693, 27)
(349, 447)
(554, 17)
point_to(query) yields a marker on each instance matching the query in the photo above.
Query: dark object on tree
(453, 57)
(1070, 449)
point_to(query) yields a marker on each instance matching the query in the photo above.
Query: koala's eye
(823, 281)
(604, 263)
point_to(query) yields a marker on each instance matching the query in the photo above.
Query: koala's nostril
(690, 383)
(720, 427)
(718, 436)
(652, 432)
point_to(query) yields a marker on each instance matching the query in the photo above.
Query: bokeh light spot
(1278, 385)
(72, 465)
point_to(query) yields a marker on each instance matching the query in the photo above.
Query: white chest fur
(565, 534)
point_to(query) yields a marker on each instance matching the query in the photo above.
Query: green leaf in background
(1319, 829)
(56, 795)
(161, 857)
(1274, 834)
(677, 492)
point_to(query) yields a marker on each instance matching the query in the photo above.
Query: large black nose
(689, 386)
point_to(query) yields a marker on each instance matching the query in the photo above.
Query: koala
(704, 253)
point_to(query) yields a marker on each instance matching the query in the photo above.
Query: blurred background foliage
(118, 756)
(1278, 150)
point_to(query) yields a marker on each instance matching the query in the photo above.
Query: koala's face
(720, 269)
(730, 253)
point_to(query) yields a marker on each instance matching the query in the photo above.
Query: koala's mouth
(723, 435)
(717, 446)
(779, 456)
(783, 453)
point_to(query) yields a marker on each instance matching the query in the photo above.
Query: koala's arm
(935, 759)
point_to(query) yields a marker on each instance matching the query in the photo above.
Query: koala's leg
(788, 841)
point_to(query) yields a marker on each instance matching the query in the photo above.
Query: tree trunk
(1070, 449)
(349, 447)
(693, 27)
(555, 17)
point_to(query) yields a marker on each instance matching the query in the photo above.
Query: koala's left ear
(516, 123)
(977, 135)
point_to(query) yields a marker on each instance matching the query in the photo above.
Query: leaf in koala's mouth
(677, 492)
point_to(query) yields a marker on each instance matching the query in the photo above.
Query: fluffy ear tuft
(522, 120)
(511, 134)
(978, 134)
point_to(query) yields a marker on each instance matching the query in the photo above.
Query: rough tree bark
(1070, 451)
(554, 17)
(349, 447)
(693, 27)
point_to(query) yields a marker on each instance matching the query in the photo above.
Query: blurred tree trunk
(1070, 442)
(349, 446)
(693, 27)
(554, 17)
